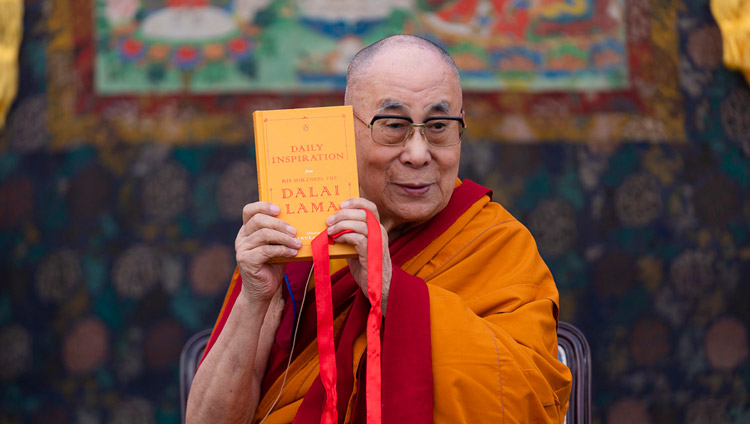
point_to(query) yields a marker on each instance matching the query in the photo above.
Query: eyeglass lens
(439, 132)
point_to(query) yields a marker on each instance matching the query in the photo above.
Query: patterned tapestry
(117, 234)
(145, 70)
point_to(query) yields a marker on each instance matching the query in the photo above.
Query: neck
(398, 230)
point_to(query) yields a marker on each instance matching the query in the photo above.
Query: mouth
(414, 189)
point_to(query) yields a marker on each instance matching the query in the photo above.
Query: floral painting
(259, 45)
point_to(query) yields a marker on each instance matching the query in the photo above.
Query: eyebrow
(394, 105)
(441, 106)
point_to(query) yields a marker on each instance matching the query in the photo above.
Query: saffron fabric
(469, 334)
(11, 17)
(733, 17)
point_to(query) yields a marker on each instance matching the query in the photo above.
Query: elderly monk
(470, 309)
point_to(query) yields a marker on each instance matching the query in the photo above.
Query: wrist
(252, 299)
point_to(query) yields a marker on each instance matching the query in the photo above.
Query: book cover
(307, 164)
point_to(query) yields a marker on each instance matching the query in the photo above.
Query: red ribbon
(375, 317)
(324, 308)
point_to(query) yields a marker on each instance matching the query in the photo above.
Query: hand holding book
(262, 237)
(352, 217)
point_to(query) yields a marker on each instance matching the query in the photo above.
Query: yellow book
(307, 165)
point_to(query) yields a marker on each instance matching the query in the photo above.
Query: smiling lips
(415, 189)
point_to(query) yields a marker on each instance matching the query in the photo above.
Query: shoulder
(493, 221)
(489, 237)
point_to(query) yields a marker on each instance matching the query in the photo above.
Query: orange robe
(490, 326)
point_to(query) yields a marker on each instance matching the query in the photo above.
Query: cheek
(372, 170)
(373, 160)
(448, 164)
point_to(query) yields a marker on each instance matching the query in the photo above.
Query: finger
(359, 241)
(262, 221)
(360, 203)
(260, 255)
(266, 237)
(251, 209)
(359, 227)
(346, 215)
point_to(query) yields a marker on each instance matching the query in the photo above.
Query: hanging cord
(297, 319)
(294, 302)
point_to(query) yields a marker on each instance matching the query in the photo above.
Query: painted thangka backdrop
(118, 211)
(244, 46)
(193, 71)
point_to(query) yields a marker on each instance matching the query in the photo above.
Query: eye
(394, 124)
(437, 125)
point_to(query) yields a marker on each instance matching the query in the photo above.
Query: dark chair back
(190, 357)
(573, 351)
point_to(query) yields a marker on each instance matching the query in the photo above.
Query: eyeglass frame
(422, 126)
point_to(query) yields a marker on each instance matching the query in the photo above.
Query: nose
(416, 149)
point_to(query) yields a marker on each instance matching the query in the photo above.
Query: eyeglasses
(394, 130)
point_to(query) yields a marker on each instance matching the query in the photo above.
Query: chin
(418, 215)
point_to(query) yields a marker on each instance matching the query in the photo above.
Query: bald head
(362, 61)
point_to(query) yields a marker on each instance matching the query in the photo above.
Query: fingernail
(275, 209)
(298, 243)
(291, 230)
(345, 204)
(329, 221)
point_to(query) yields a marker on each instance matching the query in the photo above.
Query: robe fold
(469, 336)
